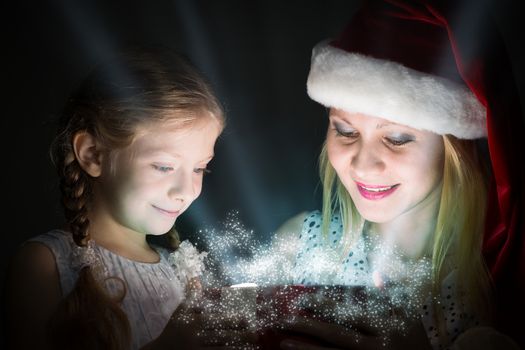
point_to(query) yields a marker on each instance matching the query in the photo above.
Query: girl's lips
(169, 213)
(375, 192)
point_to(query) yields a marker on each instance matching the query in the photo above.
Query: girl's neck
(412, 231)
(107, 233)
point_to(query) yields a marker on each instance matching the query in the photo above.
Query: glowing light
(244, 285)
(389, 301)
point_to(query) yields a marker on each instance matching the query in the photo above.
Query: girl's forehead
(161, 137)
(148, 129)
(177, 123)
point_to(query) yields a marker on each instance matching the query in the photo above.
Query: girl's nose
(182, 186)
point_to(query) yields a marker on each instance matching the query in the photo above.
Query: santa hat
(397, 63)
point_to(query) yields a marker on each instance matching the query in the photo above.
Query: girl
(402, 178)
(132, 147)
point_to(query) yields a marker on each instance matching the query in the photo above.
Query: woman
(404, 183)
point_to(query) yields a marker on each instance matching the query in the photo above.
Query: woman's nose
(367, 161)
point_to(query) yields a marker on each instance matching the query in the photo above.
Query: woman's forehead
(359, 119)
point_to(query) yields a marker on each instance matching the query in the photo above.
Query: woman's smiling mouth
(375, 192)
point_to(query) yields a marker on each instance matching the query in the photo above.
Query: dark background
(256, 55)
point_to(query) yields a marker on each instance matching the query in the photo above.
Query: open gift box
(265, 307)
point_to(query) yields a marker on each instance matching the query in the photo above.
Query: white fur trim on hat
(389, 90)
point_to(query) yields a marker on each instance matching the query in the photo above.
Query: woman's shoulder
(313, 223)
(300, 223)
(306, 225)
(292, 227)
(312, 220)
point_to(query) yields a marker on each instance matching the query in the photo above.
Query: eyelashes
(347, 134)
(344, 132)
(202, 171)
(166, 169)
(392, 140)
(162, 168)
(399, 141)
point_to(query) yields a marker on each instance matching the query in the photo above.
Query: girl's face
(389, 170)
(158, 176)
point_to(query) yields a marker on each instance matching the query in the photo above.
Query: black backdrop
(256, 55)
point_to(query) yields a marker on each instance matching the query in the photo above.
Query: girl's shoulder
(61, 245)
(36, 257)
(32, 289)
(65, 256)
(45, 249)
(56, 240)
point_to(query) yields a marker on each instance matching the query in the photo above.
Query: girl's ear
(88, 153)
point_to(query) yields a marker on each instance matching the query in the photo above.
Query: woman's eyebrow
(387, 123)
(340, 119)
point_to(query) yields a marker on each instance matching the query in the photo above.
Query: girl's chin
(159, 231)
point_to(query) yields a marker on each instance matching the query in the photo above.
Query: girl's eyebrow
(154, 152)
(207, 159)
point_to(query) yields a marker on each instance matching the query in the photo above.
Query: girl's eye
(202, 171)
(400, 140)
(162, 168)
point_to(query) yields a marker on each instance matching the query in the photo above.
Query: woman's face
(389, 170)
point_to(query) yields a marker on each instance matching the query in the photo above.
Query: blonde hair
(136, 89)
(456, 242)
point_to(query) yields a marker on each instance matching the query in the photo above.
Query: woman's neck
(411, 232)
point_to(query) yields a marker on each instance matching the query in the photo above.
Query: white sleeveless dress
(153, 290)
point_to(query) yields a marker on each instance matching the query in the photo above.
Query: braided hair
(134, 89)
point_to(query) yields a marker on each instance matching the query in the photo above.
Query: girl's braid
(75, 185)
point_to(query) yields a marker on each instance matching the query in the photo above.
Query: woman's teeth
(378, 189)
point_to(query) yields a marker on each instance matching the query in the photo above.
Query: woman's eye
(345, 132)
(351, 134)
(162, 168)
(399, 141)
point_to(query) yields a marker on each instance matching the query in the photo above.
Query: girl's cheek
(197, 188)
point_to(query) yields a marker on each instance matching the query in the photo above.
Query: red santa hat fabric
(397, 63)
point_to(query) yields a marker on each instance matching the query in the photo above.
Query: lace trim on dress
(87, 256)
(187, 261)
